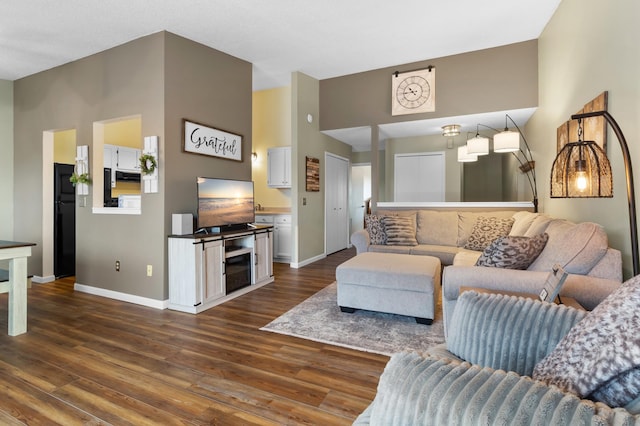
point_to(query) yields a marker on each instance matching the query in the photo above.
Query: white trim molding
(110, 294)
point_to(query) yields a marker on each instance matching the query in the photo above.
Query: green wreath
(80, 178)
(148, 164)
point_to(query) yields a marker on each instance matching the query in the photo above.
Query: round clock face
(413, 92)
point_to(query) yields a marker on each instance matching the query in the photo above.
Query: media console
(208, 269)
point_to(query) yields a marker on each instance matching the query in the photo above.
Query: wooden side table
(564, 300)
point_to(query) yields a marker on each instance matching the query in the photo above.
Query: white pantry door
(336, 203)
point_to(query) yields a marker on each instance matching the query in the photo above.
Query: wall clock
(413, 92)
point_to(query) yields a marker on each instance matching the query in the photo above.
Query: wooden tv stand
(206, 270)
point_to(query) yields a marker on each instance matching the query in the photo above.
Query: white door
(419, 177)
(360, 192)
(336, 203)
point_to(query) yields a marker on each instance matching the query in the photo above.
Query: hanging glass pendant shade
(581, 170)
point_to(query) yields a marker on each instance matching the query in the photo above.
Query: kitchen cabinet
(127, 159)
(279, 167)
(282, 237)
(281, 234)
(121, 158)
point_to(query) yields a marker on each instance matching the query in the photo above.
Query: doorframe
(48, 138)
(351, 190)
(347, 219)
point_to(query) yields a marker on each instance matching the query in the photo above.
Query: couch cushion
(538, 226)
(401, 231)
(600, 356)
(437, 227)
(521, 223)
(375, 228)
(384, 248)
(486, 230)
(446, 254)
(466, 257)
(513, 252)
(576, 247)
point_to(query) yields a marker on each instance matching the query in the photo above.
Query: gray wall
(6, 159)
(590, 46)
(164, 78)
(487, 80)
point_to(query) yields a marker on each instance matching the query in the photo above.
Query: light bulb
(581, 181)
(581, 175)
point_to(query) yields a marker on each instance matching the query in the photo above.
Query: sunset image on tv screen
(224, 202)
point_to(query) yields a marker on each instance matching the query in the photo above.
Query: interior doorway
(58, 146)
(360, 195)
(64, 221)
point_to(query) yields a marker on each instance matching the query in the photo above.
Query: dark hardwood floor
(91, 360)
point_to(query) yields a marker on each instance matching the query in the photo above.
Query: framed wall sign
(201, 139)
(313, 174)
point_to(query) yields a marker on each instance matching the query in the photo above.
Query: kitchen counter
(274, 210)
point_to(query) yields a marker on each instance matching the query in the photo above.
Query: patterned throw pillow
(513, 252)
(486, 230)
(600, 356)
(375, 228)
(400, 230)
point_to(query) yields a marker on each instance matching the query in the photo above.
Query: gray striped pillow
(400, 230)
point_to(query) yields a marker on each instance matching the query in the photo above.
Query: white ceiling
(321, 38)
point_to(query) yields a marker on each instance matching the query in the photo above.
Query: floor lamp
(582, 170)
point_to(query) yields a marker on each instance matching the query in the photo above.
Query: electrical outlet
(304, 201)
(118, 265)
(149, 270)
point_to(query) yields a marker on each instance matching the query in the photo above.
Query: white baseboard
(110, 294)
(307, 261)
(41, 280)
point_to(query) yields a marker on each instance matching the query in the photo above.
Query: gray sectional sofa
(509, 360)
(595, 269)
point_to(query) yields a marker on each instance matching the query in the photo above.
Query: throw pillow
(375, 228)
(513, 252)
(600, 356)
(400, 230)
(486, 230)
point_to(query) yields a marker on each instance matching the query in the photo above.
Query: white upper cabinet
(279, 167)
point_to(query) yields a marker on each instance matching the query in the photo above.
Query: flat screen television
(224, 203)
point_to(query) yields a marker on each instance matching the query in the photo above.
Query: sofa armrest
(588, 291)
(360, 239)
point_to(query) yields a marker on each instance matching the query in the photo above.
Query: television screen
(224, 202)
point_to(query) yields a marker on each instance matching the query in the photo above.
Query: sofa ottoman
(389, 282)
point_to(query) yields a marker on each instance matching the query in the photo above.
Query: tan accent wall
(487, 80)
(308, 220)
(586, 48)
(163, 78)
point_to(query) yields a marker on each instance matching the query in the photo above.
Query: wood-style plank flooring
(91, 360)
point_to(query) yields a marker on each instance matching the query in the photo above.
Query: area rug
(319, 319)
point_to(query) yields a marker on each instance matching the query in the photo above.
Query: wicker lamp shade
(581, 170)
